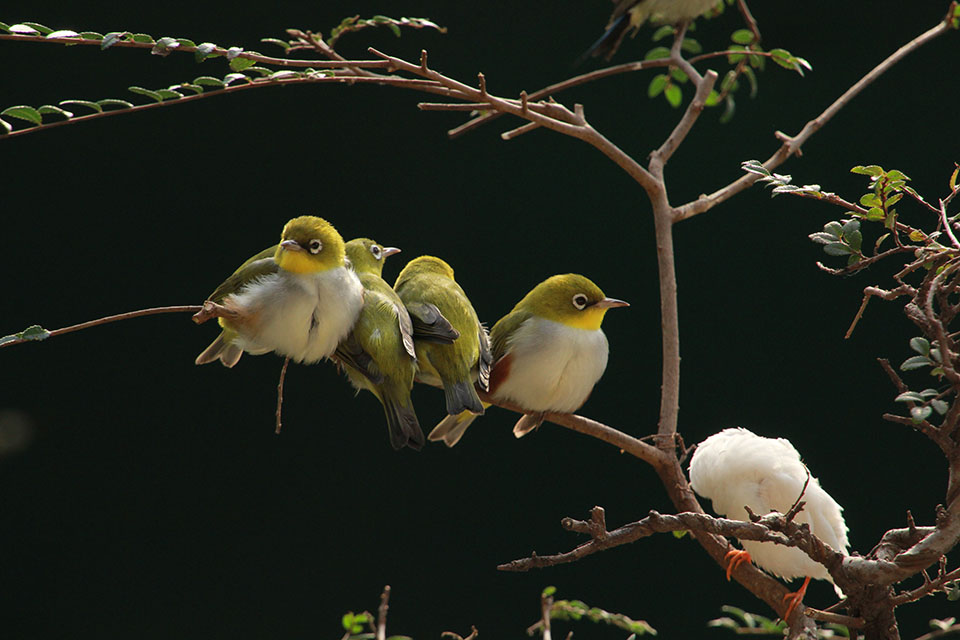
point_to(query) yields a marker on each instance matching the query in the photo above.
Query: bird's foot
(795, 598)
(735, 558)
(213, 310)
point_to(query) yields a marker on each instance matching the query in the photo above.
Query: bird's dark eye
(315, 246)
(580, 301)
(376, 251)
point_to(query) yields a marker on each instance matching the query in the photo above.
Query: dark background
(152, 498)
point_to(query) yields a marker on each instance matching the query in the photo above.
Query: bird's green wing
(430, 325)
(259, 265)
(504, 328)
(351, 353)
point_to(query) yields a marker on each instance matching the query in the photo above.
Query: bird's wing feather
(429, 324)
(485, 358)
(259, 265)
(351, 353)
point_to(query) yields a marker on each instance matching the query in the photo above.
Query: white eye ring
(315, 246)
(580, 301)
(376, 251)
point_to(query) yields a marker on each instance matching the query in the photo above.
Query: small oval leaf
(23, 112)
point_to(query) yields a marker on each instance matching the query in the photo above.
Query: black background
(154, 500)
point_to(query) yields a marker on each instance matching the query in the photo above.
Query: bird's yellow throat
(588, 319)
(300, 262)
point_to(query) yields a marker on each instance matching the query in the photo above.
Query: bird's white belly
(554, 367)
(301, 316)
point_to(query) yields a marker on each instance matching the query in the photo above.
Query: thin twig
(792, 144)
(283, 375)
(116, 318)
(382, 613)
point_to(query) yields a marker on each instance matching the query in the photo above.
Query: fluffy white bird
(737, 468)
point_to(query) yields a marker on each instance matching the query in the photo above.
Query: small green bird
(441, 310)
(379, 353)
(548, 353)
(298, 299)
(629, 16)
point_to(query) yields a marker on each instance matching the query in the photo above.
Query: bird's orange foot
(735, 558)
(795, 598)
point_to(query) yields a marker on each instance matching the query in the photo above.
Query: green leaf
(188, 86)
(674, 95)
(62, 33)
(893, 174)
(280, 43)
(875, 214)
(833, 228)
(145, 92)
(204, 51)
(854, 239)
(548, 591)
(114, 102)
(23, 112)
(678, 75)
(657, 85)
(49, 108)
(920, 345)
(850, 226)
(7, 128)
(239, 64)
(663, 32)
(837, 249)
(733, 58)
(742, 36)
(755, 166)
(691, 46)
(112, 38)
(39, 27)
(909, 396)
(230, 78)
(186, 42)
(233, 52)
(82, 103)
(5, 26)
(821, 237)
(680, 534)
(285, 73)
(869, 170)
(657, 53)
(23, 30)
(940, 406)
(264, 71)
(33, 333)
(915, 362)
(209, 81)
(952, 183)
(164, 46)
(169, 94)
(142, 38)
(91, 35)
(917, 236)
(880, 240)
(347, 620)
(752, 78)
(713, 98)
(919, 414)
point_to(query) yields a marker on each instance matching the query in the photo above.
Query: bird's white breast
(304, 316)
(554, 367)
(736, 467)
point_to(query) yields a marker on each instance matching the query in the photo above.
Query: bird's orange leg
(735, 558)
(795, 597)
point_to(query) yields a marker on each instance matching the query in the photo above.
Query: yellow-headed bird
(298, 299)
(379, 355)
(548, 353)
(436, 304)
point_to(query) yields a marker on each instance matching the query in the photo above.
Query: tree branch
(792, 144)
(13, 340)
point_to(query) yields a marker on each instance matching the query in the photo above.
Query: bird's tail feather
(221, 349)
(460, 397)
(452, 428)
(527, 423)
(402, 425)
(607, 44)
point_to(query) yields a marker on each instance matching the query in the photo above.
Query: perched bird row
(313, 296)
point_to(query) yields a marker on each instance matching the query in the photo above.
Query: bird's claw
(735, 558)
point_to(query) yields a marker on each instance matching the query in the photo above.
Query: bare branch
(116, 318)
(283, 375)
(792, 144)
(382, 613)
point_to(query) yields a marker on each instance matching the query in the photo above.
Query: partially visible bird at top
(298, 298)
(379, 354)
(736, 468)
(629, 16)
(453, 349)
(548, 353)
